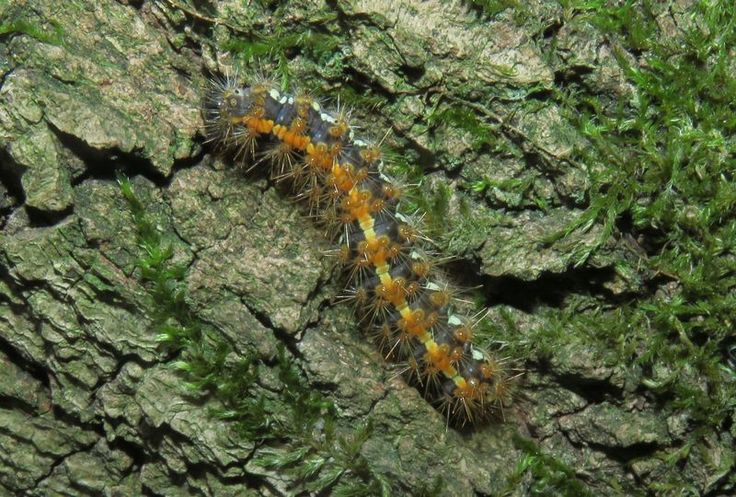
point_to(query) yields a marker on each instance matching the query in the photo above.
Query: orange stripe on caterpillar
(394, 282)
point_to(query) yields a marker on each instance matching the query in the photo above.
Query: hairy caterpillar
(400, 294)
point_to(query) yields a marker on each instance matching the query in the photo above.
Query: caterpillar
(401, 296)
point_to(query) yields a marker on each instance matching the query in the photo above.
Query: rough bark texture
(89, 404)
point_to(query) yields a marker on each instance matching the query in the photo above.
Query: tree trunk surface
(93, 403)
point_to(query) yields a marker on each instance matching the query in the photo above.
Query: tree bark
(89, 401)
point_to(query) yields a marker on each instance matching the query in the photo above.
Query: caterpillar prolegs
(400, 294)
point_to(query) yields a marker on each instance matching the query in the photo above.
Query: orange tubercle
(260, 126)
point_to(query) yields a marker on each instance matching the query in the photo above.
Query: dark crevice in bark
(35, 370)
(573, 76)
(625, 455)
(43, 219)
(58, 462)
(105, 163)
(70, 419)
(594, 391)
(10, 174)
(136, 4)
(548, 290)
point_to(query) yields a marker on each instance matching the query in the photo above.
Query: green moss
(52, 36)
(518, 188)
(319, 46)
(660, 166)
(549, 476)
(465, 119)
(518, 10)
(665, 161)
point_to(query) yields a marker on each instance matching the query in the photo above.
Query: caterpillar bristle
(217, 127)
(401, 296)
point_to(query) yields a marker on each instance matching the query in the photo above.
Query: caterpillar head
(234, 104)
(225, 106)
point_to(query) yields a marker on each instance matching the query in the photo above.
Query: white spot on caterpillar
(454, 320)
(275, 95)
